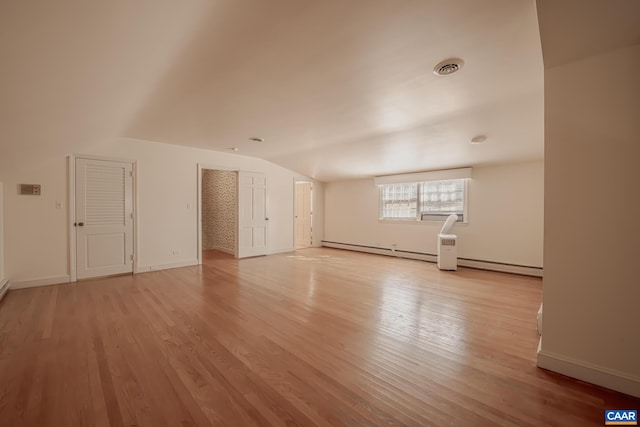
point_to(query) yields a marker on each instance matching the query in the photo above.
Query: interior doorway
(219, 211)
(304, 215)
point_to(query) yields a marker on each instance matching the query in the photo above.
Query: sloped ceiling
(338, 89)
(574, 29)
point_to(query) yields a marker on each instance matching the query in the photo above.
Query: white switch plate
(59, 204)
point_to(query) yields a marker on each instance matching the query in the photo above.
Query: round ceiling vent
(448, 66)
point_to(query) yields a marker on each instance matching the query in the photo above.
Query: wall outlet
(176, 252)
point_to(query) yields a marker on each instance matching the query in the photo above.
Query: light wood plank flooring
(316, 337)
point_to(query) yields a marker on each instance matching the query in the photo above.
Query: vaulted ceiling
(338, 89)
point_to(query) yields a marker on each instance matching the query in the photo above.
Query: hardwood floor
(319, 337)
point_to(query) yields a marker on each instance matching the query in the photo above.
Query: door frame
(71, 209)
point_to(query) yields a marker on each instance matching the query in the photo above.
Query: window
(423, 201)
(399, 201)
(440, 199)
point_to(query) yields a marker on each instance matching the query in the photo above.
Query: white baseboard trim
(45, 281)
(381, 251)
(609, 378)
(498, 266)
(462, 262)
(178, 264)
(4, 287)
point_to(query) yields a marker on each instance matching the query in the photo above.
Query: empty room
(319, 213)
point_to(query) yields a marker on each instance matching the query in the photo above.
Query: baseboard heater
(422, 256)
(4, 287)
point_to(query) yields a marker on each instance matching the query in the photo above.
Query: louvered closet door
(104, 219)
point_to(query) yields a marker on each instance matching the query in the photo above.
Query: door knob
(80, 224)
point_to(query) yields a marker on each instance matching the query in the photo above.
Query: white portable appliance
(448, 245)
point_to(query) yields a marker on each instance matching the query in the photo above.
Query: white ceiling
(338, 89)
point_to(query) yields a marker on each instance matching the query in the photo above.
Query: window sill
(415, 221)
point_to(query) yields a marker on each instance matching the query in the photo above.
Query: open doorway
(219, 207)
(304, 215)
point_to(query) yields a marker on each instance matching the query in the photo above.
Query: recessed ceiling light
(256, 139)
(233, 148)
(479, 139)
(448, 66)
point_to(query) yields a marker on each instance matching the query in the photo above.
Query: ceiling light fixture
(233, 148)
(448, 66)
(255, 139)
(479, 139)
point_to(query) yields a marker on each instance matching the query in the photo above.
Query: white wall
(592, 229)
(505, 217)
(37, 232)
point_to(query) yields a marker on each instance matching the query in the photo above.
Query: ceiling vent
(448, 66)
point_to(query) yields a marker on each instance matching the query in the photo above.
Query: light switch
(59, 204)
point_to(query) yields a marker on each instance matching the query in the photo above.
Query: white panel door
(252, 214)
(303, 214)
(104, 218)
